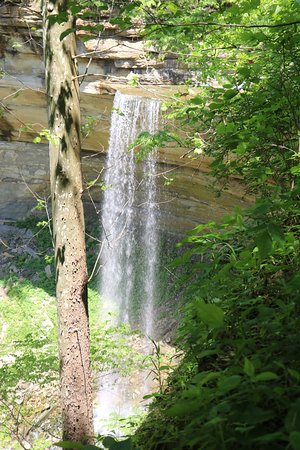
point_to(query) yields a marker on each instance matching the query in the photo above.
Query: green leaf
(270, 437)
(294, 439)
(214, 421)
(229, 383)
(154, 394)
(295, 170)
(228, 128)
(66, 33)
(249, 368)
(183, 408)
(203, 378)
(262, 207)
(294, 373)
(197, 100)
(164, 368)
(276, 233)
(241, 148)
(60, 18)
(75, 9)
(264, 243)
(172, 7)
(215, 106)
(221, 128)
(206, 353)
(87, 38)
(210, 314)
(113, 444)
(230, 93)
(292, 420)
(108, 442)
(266, 376)
(253, 4)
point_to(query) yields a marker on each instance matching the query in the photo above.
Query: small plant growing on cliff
(133, 79)
(47, 135)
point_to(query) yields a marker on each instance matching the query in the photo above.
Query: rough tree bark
(68, 223)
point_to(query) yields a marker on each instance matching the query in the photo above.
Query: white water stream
(129, 213)
(129, 257)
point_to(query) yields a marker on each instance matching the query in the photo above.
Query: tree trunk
(68, 223)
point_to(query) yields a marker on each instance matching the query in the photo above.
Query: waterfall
(129, 256)
(150, 235)
(129, 215)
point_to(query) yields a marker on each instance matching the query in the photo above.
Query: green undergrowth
(238, 386)
(29, 369)
(28, 363)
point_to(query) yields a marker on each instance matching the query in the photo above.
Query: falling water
(118, 209)
(129, 214)
(150, 239)
(130, 247)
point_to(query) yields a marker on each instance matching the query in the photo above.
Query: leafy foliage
(240, 105)
(108, 443)
(238, 386)
(240, 334)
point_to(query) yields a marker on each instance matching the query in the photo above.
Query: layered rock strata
(186, 196)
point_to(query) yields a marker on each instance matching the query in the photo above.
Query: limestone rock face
(186, 201)
(108, 48)
(115, 54)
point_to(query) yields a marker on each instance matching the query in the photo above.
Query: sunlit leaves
(249, 103)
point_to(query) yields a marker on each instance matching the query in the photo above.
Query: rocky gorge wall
(188, 200)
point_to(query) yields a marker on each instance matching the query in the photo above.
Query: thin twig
(226, 25)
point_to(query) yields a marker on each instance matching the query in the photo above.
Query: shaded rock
(25, 249)
(19, 242)
(48, 271)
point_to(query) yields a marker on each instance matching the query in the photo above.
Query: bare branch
(226, 25)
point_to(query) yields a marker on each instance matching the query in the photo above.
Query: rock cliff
(116, 56)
